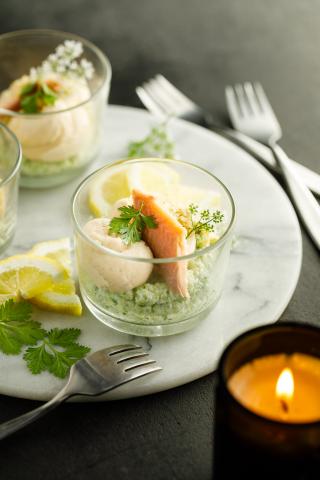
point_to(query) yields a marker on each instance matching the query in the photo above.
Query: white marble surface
(263, 271)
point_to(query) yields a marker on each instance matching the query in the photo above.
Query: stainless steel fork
(251, 113)
(93, 375)
(164, 100)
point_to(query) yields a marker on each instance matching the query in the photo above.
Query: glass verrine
(127, 289)
(10, 162)
(59, 142)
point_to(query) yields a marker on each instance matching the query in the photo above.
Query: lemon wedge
(58, 302)
(25, 276)
(151, 178)
(59, 250)
(61, 297)
(113, 185)
(109, 187)
(183, 195)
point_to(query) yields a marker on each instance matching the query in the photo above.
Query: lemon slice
(151, 178)
(59, 250)
(25, 276)
(58, 302)
(62, 296)
(114, 185)
(109, 187)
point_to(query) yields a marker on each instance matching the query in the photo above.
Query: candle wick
(284, 405)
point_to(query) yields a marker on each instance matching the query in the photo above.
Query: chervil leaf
(64, 336)
(16, 328)
(56, 353)
(131, 224)
(11, 310)
(203, 221)
(62, 361)
(38, 359)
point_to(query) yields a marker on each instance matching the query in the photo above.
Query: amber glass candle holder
(255, 438)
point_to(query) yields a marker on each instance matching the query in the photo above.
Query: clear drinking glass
(151, 309)
(10, 162)
(56, 145)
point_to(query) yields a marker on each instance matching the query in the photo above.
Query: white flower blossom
(87, 68)
(63, 61)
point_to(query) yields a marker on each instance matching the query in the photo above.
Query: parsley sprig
(203, 221)
(54, 351)
(131, 223)
(35, 95)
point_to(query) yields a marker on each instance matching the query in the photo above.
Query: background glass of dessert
(59, 141)
(10, 163)
(126, 287)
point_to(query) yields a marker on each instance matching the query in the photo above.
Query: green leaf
(62, 361)
(203, 221)
(11, 310)
(47, 90)
(131, 224)
(16, 328)
(57, 352)
(156, 144)
(64, 336)
(27, 88)
(38, 359)
(29, 104)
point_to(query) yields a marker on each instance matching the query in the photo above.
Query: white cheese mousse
(52, 135)
(109, 271)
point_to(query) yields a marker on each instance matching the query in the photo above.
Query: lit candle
(280, 387)
(268, 394)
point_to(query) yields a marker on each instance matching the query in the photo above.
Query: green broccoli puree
(153, 303)
(34, 168)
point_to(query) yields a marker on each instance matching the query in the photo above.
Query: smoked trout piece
(168, 239)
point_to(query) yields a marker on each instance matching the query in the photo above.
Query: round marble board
(263, 271)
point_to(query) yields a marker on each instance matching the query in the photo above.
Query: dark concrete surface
(200, 46)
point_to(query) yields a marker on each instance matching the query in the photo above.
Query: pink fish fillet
(167, 240)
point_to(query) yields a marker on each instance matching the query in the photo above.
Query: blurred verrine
(128, 287)
(10, 163)
(62, 139)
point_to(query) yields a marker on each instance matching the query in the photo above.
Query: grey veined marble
(262, 275)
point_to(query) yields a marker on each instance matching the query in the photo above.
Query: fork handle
(7, 428)
(306, 205)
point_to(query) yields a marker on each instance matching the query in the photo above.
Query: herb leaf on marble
(56, 353)
(16, 327)
(156, 144)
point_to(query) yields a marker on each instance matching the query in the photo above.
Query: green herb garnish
(35, 95)
(57, 352)
(155, 144)
(17, 328)
(203, 221)
(131, 224)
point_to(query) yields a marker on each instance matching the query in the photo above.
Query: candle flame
(285, 388)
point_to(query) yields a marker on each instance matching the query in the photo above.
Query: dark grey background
(200, 46)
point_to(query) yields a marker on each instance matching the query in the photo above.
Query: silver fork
(251, 113)
(164, 100)
(93, 375)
